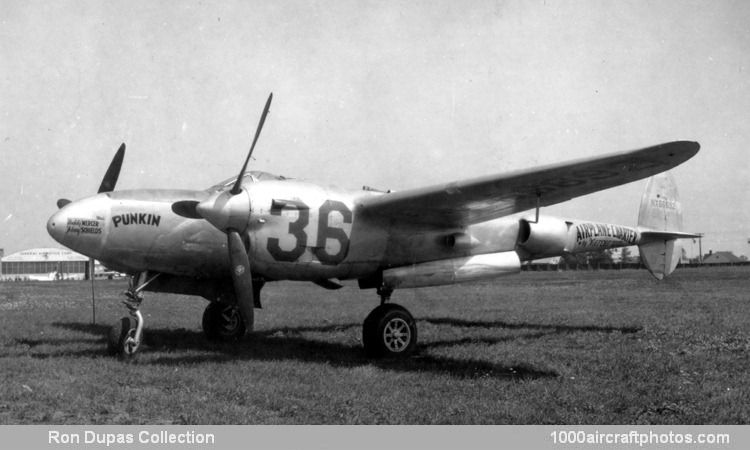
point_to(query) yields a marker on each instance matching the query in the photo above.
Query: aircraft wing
(476, 200)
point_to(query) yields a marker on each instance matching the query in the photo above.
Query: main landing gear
(126, 335)
(223, 322)
(389, 330)
(222, 319)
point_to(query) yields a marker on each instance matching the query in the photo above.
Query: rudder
(660, 214)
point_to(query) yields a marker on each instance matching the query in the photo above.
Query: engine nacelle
(545, 238)
(455, 270)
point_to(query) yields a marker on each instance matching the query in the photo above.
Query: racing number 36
(325, 232)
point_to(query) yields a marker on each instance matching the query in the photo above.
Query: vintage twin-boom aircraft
(224, 243)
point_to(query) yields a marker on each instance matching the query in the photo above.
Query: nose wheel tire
(222, 322)
(123, 340)
(389, 331)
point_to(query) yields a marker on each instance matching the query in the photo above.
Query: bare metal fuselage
(297, 231)
(302, 231)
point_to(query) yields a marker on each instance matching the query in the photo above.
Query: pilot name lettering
(136, 219)
(83, 226)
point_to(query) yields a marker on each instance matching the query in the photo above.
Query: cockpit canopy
(252, 176)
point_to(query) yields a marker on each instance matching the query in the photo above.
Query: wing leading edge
(466, 202)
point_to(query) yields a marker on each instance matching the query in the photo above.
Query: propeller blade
(241, 277)
(186, 208)
(113, 172)
(236, 188)
(62, 202)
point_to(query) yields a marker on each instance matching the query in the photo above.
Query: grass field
(604, 347)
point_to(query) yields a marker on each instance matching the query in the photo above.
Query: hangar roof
(45, 254)
(721, 258)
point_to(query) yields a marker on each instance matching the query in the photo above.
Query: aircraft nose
(56, 226)
(79, 225)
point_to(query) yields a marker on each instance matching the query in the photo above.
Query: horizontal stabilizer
(650, 236)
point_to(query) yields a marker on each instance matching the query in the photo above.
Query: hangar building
(44, 264)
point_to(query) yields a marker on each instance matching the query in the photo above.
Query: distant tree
(578, 259)
(601, 258)
(593, 259)
(624, 255)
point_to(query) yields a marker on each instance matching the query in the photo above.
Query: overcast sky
(389, 94)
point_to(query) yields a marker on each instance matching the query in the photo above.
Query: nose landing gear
(126, 335)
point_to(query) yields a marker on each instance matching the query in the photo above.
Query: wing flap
(463, 203)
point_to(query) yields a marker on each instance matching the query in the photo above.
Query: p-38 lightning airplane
(224, 243)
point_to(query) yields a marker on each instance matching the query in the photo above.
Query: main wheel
(389, 331)
(122, 338)
(222, 322)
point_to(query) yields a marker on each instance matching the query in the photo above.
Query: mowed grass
(599, 347)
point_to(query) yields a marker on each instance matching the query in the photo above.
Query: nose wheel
(389, 331)
(126, 335)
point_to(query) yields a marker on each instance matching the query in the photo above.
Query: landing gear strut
(389, 330)
(126, 335)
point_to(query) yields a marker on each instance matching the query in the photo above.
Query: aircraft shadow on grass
(288, 343)
(532, 326)
(38, 348)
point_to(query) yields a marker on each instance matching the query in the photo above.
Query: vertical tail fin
(660, 225)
